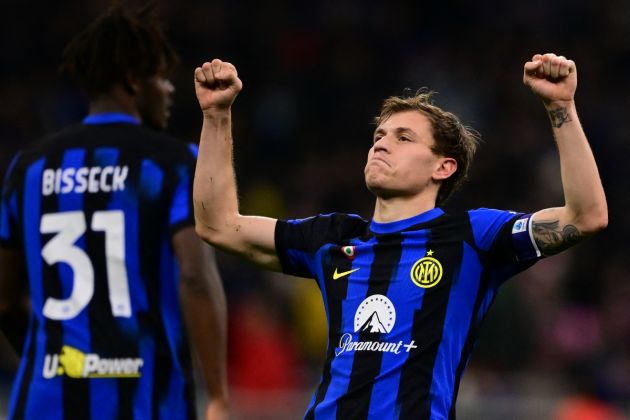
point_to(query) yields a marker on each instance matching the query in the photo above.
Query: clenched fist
(216, 85)
(552, 77)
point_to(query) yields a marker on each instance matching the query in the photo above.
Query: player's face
(401, 162)
(154, 101)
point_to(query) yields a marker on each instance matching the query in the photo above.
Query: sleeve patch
(523, 239)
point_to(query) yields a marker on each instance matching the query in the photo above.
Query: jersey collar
(399, 225)
(110, 118)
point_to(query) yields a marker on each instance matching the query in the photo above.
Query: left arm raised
(585, 212)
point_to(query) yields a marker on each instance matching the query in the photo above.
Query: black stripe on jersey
(474, 327)
(336, 291)
(51, 285)
(366, 366)
(107, 339)
(20, 406)
(76, 391)
(417, 372)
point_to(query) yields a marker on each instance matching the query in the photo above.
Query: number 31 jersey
(93, 209)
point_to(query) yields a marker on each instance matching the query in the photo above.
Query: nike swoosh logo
(337, 275)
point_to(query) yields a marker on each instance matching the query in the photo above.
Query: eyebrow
(397, 130)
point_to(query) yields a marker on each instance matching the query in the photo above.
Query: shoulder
(171, 148)
(488, 216)
(341, 223)
(323, 228)
(486, 224)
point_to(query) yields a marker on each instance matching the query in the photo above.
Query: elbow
(595, 222)
(601, 222)
(206, 233)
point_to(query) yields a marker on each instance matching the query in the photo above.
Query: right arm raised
(217, 218)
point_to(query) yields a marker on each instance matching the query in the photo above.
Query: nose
(381, 144)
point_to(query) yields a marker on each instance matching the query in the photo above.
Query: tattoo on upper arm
(559, 117)
(551, 239)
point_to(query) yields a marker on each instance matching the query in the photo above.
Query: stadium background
(314, 76)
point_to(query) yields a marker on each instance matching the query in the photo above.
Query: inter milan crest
(426, 272)
(349, 251)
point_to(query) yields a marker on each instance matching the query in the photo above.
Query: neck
(399, 208)
(115, 101)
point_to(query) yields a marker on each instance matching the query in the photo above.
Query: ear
(445, 168)
(131, 85)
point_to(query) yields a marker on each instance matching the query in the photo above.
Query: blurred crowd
(558, 337)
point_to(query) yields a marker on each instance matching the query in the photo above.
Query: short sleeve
(298, 241)
(181, 212)
(505, 236)
(9, 229)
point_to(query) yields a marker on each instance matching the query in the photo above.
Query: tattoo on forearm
(559, 117)
(551, 239)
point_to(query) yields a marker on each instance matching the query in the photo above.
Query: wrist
(560, 113)
(215, 113)
(559, 104)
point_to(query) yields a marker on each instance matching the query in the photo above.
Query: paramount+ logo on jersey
(74, 363)
(374, 317)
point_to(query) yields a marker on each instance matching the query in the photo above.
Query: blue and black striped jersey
(404, 302)
(93, 208)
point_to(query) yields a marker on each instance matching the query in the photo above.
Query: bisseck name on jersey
(92, 179)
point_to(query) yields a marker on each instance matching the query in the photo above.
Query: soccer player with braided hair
(97, 225)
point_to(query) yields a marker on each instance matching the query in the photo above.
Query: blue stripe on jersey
(150, 180)
(103, 398)
(180, 209)
(194, 149)
(33, 246)
(486, 225)
(150, 183)
(142, 400)
(7, 218)
(13, 163)
(76, 331)
(21, 372)
(52, 388)
(407, 299)
(8, 210)
(110, 118)
(400, 225)
(459, 318)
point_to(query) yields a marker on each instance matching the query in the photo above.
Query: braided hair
(119, 45)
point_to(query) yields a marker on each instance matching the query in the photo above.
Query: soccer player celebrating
(405, 292)
(100, 217)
